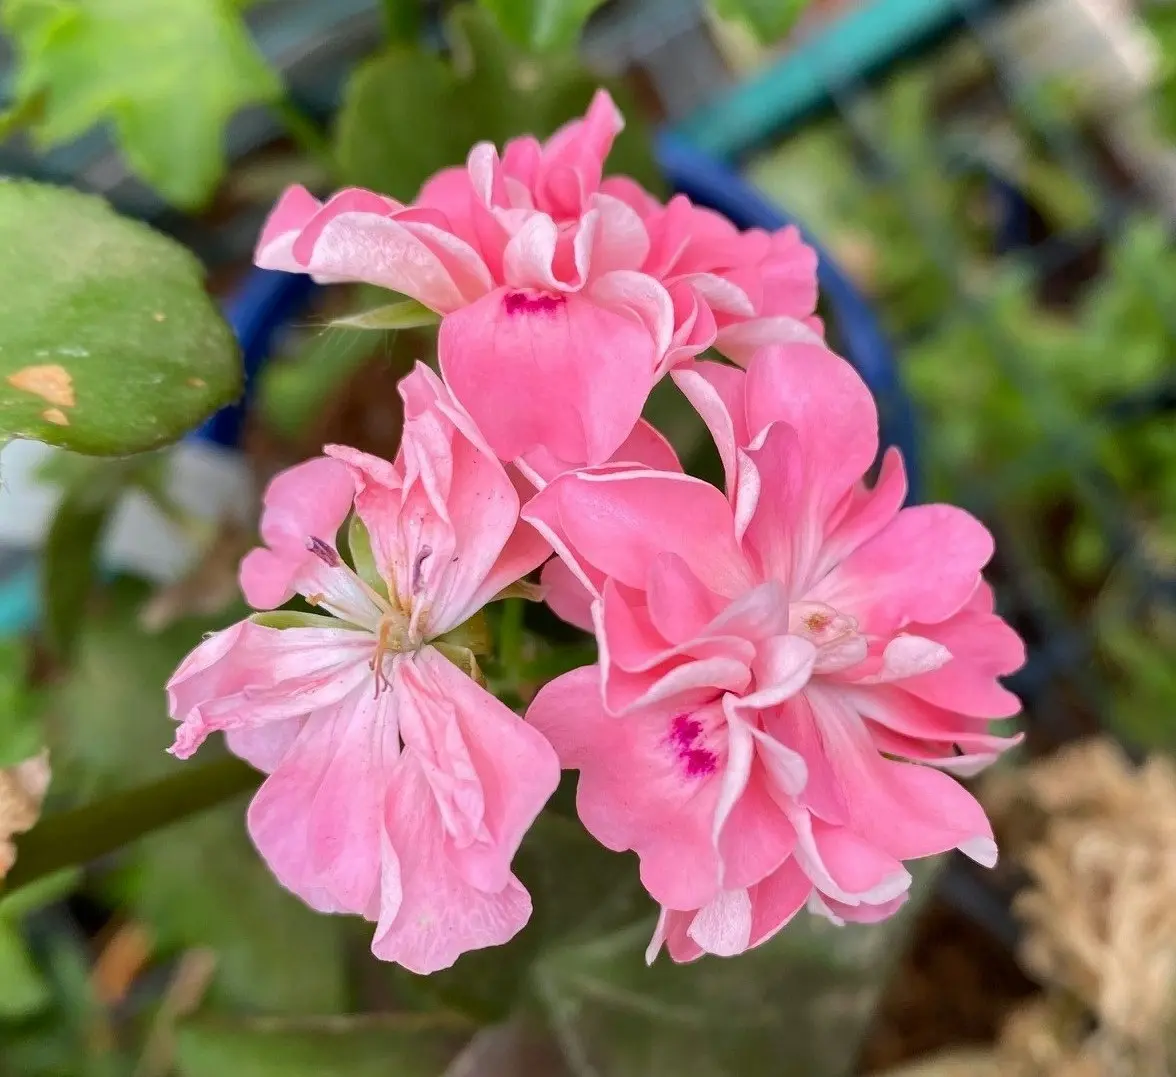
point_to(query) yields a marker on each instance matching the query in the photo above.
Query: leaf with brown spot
(50, 381)
(108, 323)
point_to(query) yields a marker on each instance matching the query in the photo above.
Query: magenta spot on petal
(528, 303)
(684, 734)
(684, 731)
(699, 762)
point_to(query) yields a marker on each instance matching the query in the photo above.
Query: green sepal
(359, 546)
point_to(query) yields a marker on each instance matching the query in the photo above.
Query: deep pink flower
(738, 291)
(769, 658)
(564, 298)
(398, 788)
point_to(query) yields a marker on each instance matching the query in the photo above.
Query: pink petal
(309, 500)
(757, 836)
(440, 916)
(622, 242)
(553, 372)
(647, 783)
(264, 746)
(358, 236)
(776, 900)
(316, 820)
(716, 392)
(723, 927)
(865, 512)
(645, 447)
(740, 341)
(680, 604)
(641, 298)
(671, 932)
(824, 400)
(292, 213)
(515, 767)
(783, 532)
(248, 675)
(922, 567)
(619, 523)
(983, 648)
(568, 598)
(850, 869)
(905, 810)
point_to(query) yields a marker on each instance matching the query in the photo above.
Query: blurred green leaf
(406, 113)
(21, 731)
(168, 77)
(109, 344)
(392, 1046)
(542, 24)
(769, 20)
(16, 903)
(402, 19)
(23, 990)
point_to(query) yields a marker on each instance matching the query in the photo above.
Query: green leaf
(407, 113)
(21, 735)
(407, 314)
(769, 20)
(392, 1046)
(167, 77)
(542, 24)
(23, 990)
(109, 344)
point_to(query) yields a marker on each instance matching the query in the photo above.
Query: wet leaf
(109, 344)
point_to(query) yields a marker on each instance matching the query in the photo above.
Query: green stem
(306, 133)
(79, 836)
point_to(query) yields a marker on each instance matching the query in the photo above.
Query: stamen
(383, 647)
(422, 556)
(323, 552)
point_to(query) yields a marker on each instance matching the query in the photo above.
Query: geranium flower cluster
(790, 668)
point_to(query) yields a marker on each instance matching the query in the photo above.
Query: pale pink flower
(782, 669)
(564, 298)
(398, 788)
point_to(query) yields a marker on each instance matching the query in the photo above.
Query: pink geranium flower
(398, 788)
(564, 297)
(784, 671)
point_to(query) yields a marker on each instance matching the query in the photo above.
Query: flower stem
(84, 834)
